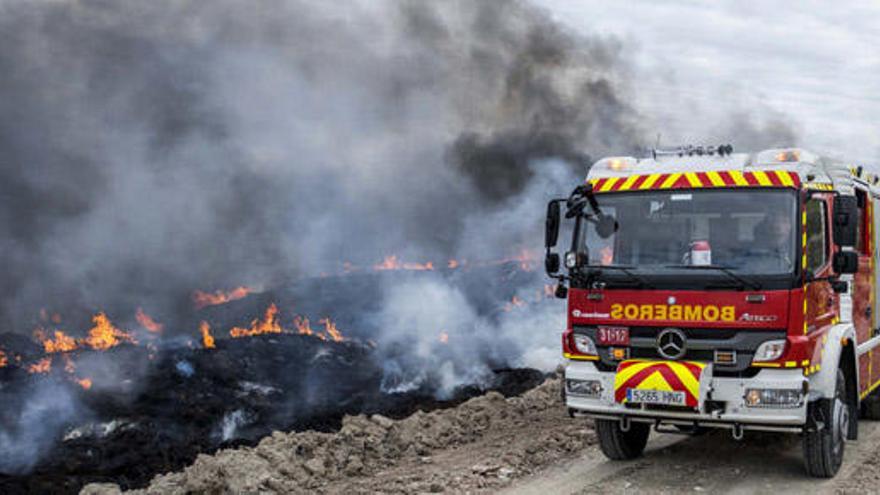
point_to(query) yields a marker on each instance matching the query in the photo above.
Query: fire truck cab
(707, 288)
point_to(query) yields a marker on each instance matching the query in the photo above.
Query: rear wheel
(825, 437)
(622, 445)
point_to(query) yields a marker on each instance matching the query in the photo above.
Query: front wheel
(619, 445)
(825, 438)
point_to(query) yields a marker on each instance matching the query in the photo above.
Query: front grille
(701, 346)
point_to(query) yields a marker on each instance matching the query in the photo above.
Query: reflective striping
(628, 183)
(820, 186)
(738, 178)
(679, 376)
(649, 182)
(670, 180)
(693, 180)
(609, 183)
(715, 179)
(784, 178)
(762, 178)
(697, 180)
(869, 390)
(578, 357)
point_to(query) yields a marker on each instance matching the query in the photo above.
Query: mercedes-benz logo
(671, 343)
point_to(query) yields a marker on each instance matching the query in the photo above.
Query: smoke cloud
(148, 149)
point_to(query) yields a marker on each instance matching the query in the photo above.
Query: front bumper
(722, 403)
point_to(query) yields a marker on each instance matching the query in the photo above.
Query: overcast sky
(813, 63)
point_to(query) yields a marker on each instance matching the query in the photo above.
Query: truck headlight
(769, 351)
(584, 345)
(585, 388)
(571, 260)
(773, 397)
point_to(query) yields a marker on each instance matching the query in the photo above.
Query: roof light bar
(617, 163)
(783, 156)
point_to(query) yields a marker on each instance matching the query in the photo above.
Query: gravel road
(712, 463)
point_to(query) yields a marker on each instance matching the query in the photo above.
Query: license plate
(612, 336)
(664, 397)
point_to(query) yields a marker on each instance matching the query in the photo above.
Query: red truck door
(821, 309)
(863, 293)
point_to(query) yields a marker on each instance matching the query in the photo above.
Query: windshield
(750, 231)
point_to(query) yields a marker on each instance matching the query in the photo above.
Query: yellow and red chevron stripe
(679, 376)
(697, 180)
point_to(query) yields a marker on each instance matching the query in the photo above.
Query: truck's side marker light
(756, 298)
(578, 357)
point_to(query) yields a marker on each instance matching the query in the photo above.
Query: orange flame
(42, 366)
(203, 299)
(104, 335)
(85, 383)
(207, 338)
(3, 359)
(302, 325)
(61, 342)
(453, 264)
(148, 322)
(444, 338)
(392, 263)
(331, 329)
(269, 324)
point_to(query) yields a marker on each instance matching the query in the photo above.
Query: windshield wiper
(625, 269)
(723, 269)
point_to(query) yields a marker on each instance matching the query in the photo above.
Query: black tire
(825, 436)
(619, 445)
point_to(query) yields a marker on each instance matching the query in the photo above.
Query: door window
(816, 235)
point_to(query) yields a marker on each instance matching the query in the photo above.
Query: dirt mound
(502, 438)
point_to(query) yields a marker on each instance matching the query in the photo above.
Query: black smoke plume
(147, 149)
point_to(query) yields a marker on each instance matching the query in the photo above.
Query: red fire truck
(708, 288)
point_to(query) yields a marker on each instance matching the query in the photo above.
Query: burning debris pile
(126, 404)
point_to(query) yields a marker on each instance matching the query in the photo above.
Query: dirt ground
(519, 445)
(482, 445)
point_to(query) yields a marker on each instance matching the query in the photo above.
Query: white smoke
(430, 331)
(43, 415)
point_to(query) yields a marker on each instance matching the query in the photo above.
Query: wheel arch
(839, 352)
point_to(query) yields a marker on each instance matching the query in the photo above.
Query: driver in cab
(772, 249)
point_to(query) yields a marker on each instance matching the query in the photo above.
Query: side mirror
(846, 262)
(551, 226)
(606, 226)
(561, 291)
(551, 263)
(846, 217)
